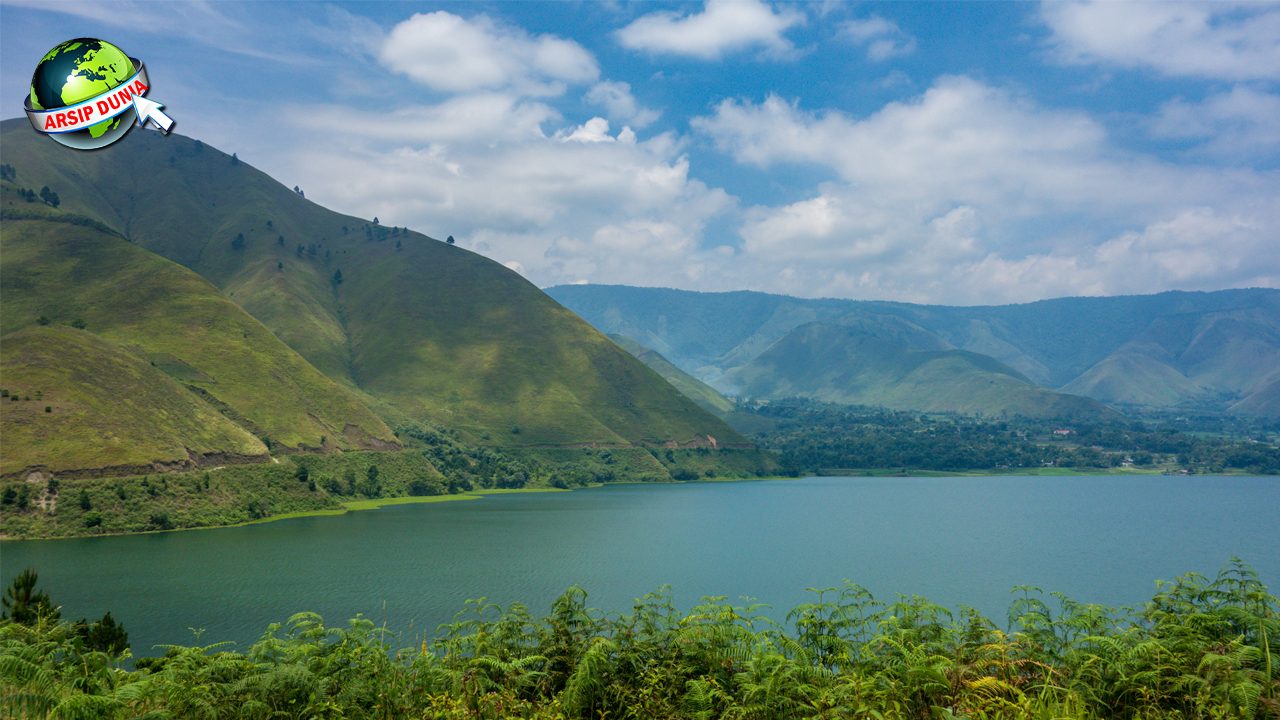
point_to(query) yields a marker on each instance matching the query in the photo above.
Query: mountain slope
(865, 363)
(416, 328)
(178, 323)
(99, 408)
(1059, 343)
(856, 365)
(689, 386)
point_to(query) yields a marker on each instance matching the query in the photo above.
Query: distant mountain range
(221, 313)
(1217, 350)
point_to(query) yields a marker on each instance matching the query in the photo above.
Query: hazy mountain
(883, 360)
(1175, 348)
(688, 385)
(413, 328)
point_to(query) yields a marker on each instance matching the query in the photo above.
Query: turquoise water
(1100, 539)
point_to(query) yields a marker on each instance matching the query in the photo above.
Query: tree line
(810, 436)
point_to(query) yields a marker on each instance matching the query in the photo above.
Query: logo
(87, 93)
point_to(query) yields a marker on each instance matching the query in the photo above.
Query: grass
(95, 405)
(170, 318)
(701, 393)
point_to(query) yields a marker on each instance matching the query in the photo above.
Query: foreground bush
(1199, 649)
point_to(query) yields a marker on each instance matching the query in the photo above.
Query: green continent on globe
(75, 71)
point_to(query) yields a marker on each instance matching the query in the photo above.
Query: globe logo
(87, 93)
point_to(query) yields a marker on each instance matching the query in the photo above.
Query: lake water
(1100, 539)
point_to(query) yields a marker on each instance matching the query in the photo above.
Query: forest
(1198, 649)
(814, 437)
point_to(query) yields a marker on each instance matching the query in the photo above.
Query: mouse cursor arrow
(150, 110)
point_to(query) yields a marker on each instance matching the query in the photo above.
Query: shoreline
(377, 503)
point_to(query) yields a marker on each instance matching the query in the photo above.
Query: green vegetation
(228, 495)
(689, 386)
(113, 410)
(139, 304)
(814, 437)
(1199, 649)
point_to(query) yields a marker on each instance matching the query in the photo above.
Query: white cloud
(560, 205)
(616, 98)
(450, 53)
(968, 194)
(1242, 123)
(484, 117)
(1222, 40)
(723, 26)
(882, 38)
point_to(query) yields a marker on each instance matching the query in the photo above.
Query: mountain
(57, 269)
(689, 386)
(1198, 349)
(884, 360)
(415, 329)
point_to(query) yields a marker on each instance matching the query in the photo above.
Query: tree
(79, 324)
(280, 241)
(234, 160)
(106, 635)
(280, 266)
(337, 277)
(372, 487)
(50, 197)
(375, 219)
(43, 320)
(23, 605)
(238, 243)
(85, 502)
(450, 240)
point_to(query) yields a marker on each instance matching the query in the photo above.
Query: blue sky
(942, 152)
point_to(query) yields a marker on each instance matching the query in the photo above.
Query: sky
(961, 153)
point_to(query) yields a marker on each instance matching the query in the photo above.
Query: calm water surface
(1100, 539)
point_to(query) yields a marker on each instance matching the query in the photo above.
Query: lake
(1099, 539)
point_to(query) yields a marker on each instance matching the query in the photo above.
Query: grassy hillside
(689, 386)
(416, 328)
(174, 320)
(76, 402)
(860, 364)
(1132, 378)
(1221, 341)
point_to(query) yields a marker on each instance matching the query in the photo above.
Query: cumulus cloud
(882, 39)
(616, 98)
(450, 53)
(970, 194)
(1221, 40)
(723, 26)
(557, 204)
(1243, 123)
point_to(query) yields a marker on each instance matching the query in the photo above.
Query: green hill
(417, 329)
(132, 300)
(689, 386)
(869, 362)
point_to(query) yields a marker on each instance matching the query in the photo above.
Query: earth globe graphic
(77, 70)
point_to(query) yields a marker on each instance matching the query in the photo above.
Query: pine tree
(23, 605)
